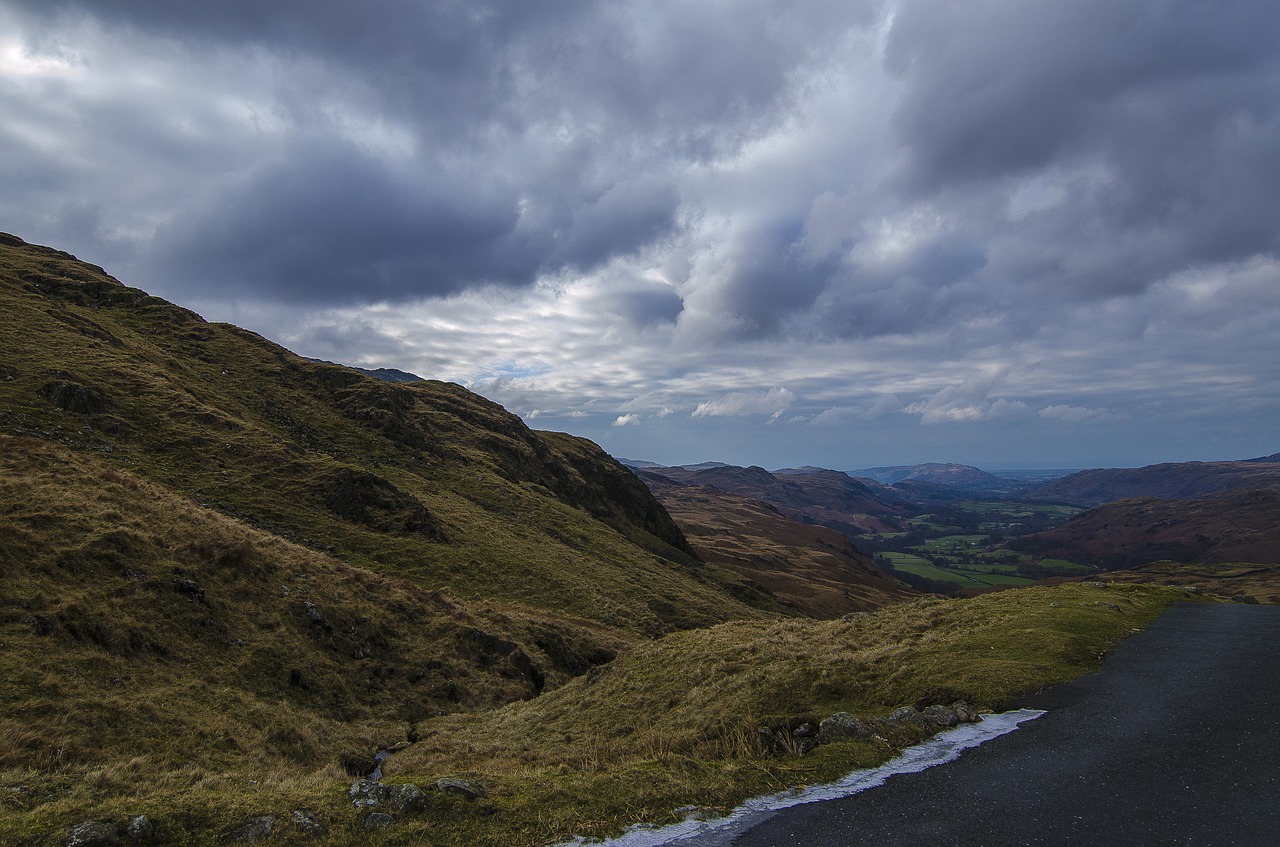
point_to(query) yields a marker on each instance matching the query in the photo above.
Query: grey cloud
(326, 223)
(627, 216)
(1171, 106)
(641, 304)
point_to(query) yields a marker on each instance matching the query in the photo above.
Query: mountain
(384, 374)
(1170, 480)
(941, 481)
(810, 568)
(1240, 526)
(825, 497)
(421, 481)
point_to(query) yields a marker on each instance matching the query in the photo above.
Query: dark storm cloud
(544, 136)
(1171, 109)
(326, 223)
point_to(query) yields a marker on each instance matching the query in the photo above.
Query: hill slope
(424, 481)
(825, 497)
(1236, 527)
(1170, 480)
(811, 568)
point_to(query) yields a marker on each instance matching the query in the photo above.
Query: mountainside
(1170, 480)
(935, 473)
(424, 481)
(828, 498)
(811, 568)
(1234, 527)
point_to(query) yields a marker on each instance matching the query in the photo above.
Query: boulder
(92, 833)
(941, 716)
(378, 820)
(461, 787)
(842, 726)
(965, 713)
(910, 715)
(308, 822)
(253, 830)
(366, 792)
(407, 798)
(140, 828)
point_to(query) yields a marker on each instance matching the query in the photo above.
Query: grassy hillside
(1236, 527)
(679, 721)
(1170, 480)
(424, 481)
(813, 569)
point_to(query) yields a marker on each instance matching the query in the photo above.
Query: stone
(840, 727)
(462, 787)
(378, 820)
(140, 828)
(366, 792)
(940, 715)
(1095, 584)
(965, 713)
(92, 833)
(407, 798)
(908, 714)
(308, 822)
(253, 830)
(808, 729)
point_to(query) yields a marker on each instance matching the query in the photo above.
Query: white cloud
(1074, 414)
(876, 407)
(629, 419)
(743, 403)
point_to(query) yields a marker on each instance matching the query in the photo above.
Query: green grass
(954, 543)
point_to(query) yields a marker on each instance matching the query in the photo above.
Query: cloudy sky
(836, 233)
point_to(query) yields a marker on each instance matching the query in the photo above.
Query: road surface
(1176, 741)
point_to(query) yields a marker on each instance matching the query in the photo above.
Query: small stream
(718, 832)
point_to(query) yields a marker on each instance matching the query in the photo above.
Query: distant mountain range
(1170, 480)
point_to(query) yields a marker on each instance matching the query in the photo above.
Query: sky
(844, 234)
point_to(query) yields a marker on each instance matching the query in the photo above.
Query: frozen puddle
(942, 748)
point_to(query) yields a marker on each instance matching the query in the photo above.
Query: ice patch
(716, 832)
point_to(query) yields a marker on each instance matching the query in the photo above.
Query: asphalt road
(1176, 741)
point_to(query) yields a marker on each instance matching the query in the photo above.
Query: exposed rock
(965, 713)
(1094, 584)
(365, 498)
(1112, 606)
(314, 615)
(1245, 598)
(941, 716)
(378, 820)
(840, 727)
(93, 833)
(407, 798)
(461, 787)
(366, 792)
(910, 715)
(140, 828)
(253, 830)
(71, 396)
(855, 616)
(308, 822)
(192, 588)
